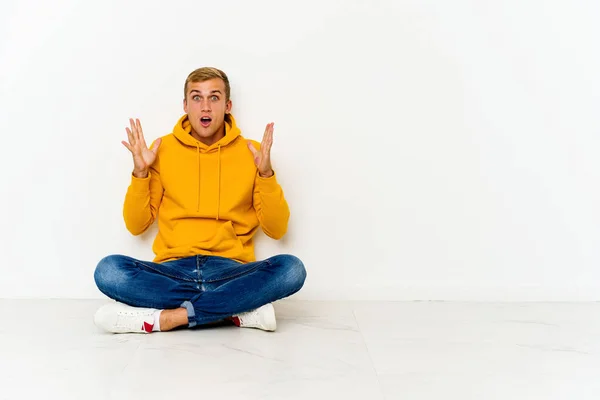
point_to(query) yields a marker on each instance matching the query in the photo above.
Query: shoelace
(127, 319)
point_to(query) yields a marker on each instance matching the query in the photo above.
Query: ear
(228, 107)
(185, 106)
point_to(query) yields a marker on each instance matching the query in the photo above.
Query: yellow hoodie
(209, 200)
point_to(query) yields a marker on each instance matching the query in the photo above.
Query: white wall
(428, 149)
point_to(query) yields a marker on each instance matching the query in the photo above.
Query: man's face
(206, 106)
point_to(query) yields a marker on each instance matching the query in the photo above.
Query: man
(210, 190)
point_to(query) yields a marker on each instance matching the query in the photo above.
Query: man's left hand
(262, 157)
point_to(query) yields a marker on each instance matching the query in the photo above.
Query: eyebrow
(197, 91)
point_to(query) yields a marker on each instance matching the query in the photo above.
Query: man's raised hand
(262, 157)
(143, 157)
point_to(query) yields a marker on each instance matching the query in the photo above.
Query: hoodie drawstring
(198, 157)
(219, 182)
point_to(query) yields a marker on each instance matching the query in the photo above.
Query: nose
(205, 105)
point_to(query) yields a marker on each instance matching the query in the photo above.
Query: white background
(429, 150)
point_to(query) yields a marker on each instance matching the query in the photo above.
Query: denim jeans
(210, 288)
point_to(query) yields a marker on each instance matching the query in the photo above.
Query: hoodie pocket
(224, 240)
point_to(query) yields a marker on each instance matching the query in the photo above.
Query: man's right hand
(143, 157)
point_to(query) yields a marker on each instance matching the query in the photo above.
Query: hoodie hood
(183, 128)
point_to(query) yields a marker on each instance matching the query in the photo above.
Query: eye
(214, 98)
(196, 97)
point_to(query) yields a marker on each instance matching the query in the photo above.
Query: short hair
(205, 74)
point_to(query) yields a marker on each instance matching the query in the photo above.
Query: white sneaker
(120, 318)
(261, 318)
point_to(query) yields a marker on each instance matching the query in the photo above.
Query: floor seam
(369, 354)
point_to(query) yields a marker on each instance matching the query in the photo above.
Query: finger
(140, 133)
(155, 145)
(269, 145)
(127, 145)
(266, 133)
(268, 141)
(133, 131)
(265, 139)
(252, 149)
(130, 137)
(256, 155)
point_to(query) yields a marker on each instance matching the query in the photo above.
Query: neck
(209, 141)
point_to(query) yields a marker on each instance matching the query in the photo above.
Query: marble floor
(50, 349)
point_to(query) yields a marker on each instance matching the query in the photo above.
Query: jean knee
(295, 272)
(109, 274)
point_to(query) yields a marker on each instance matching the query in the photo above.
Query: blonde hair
(205, 74)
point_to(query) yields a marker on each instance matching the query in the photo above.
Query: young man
(211, 190)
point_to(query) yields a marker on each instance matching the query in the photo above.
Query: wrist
(141, 174)
(267, 175)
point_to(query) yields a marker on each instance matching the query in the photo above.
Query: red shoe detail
(236, 321)
(147, 327)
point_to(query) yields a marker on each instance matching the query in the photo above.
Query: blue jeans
(210, 288)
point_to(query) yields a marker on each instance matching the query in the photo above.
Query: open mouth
(205, 121)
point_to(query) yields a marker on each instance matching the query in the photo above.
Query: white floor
(321, 350)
